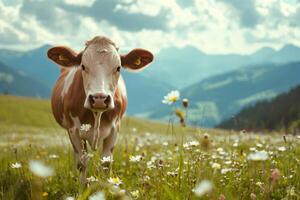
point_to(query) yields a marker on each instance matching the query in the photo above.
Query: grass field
(151, 161)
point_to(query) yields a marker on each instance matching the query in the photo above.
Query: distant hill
(221, 97)
(181, 67)
(283, 112)
(33, 63)
(17, 83)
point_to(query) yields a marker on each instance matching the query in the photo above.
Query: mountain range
(221, 97)
(181, 67)
(218, 86)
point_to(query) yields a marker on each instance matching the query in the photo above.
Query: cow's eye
(83, 67)
(118, 69)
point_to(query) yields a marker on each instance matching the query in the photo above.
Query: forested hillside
(281, 113)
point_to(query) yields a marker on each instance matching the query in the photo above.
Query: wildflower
(222, 197)
(259, 145)
(107, 159)
(150, 165)
(135, 194)
(252, 149)
(97, 196)
(252, 196)
(216, 166)
(225, 170)
(91, 179)
(235, 144)
(136, 158)
(172, 174)
(275, 175)
(115, 181)
(53, 156)
(281, 148)
(16, 165)
(171, 97)
(259, 184)
(134, 130)
(291, 191)
(70, 198)
(40, 169)
(258, 156)
(165, 144)
(203, 188)
(185, 103)
(194, 143)
(85, 127)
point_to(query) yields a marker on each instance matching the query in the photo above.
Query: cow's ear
(64, 56)
(136, 59)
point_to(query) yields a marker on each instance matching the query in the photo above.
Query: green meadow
(151, 160)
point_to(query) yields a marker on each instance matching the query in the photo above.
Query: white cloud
(210, 25)
(87, 3)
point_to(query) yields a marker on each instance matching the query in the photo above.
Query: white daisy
(107, 159)
(115, 181)
(171, 97)
(136, 158)
(16, 165)
(85, 127)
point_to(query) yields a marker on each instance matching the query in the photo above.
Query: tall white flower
(40, 169)
(16, 165)
(171, 97)
(203, 188)
(258, 156)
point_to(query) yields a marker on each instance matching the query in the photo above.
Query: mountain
(188, 65)
(18, 83)
(33, 63)
(221, 97)
(282, 112)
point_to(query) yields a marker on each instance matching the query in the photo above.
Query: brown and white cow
(90, 90)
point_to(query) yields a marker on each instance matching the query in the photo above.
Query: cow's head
(100, 64)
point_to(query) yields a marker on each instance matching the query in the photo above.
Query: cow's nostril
(107, 100)
(91, 99)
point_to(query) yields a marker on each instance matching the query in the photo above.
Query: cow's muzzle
(99, 101)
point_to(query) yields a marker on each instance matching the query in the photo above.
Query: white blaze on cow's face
(101, 65)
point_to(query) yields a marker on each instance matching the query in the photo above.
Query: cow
(91, 91)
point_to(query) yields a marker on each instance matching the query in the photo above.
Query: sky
(212, 26)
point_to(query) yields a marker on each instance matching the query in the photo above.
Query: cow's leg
(109, 143)
(80, 152)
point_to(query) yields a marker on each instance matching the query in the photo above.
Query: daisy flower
(115, 181)
(16, 165)
(171, 97)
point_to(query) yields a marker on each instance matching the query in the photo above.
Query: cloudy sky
(213, 26)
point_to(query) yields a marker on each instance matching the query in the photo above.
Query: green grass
(28, 132)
